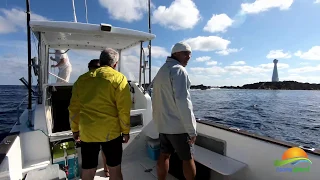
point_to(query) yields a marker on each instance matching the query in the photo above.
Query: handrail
(58, 77)
(18, 109)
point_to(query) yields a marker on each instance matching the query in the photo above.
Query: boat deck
(138, 169)
(135, 162)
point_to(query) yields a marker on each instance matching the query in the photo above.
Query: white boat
(31, 150)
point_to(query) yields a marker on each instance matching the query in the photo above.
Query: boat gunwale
(257, 136)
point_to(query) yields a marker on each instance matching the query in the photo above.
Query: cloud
(311, 54)
(305, 69)
(237, 70)
(203, 58)
(238, 63)
(265, 5)
(13, 19)
(14, 66)
(270, 66)
(214, 70)
(125, 10)
(304, 63)
(211, 63)
(208, 43)
(228, 51)
(278, 54)
(299, 78)
(130, 68)
(218, 23)
(181, 14)
(14, 44)
(211, 43)
(316, 1)
(6, 26)
(156, 52)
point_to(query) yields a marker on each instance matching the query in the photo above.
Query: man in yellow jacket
(100, 115)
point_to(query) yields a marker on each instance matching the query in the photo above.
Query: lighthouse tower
(275, 77)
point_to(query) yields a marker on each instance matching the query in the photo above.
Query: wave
(292, 161)
(300, 161)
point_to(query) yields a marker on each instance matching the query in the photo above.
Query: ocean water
(292, 116)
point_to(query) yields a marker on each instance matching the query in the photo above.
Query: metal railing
(58, 77)
(18, 108)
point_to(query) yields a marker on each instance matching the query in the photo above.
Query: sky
(233, 42)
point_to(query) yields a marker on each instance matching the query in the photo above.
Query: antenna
(74, 11)
(85, 4)
(149, 47)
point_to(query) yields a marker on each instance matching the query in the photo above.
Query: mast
(29, 55)
(149, 18)
(85, 4)
(74, 11)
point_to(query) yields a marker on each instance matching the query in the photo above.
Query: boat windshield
(79, 59)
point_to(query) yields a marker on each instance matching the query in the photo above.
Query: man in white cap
(63, 64)
(173, 112)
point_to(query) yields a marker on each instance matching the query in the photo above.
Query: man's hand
(76, 136)
(192, 140)
(126, 138)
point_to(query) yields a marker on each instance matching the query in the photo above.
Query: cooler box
(153, 148)
(59, 158)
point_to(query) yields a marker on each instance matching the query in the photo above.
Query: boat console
(57, 114)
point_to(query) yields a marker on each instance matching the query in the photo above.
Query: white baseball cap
(180, 47)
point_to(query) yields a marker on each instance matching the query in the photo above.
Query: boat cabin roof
(72, 35)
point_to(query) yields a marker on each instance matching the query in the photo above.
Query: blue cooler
(153, 148)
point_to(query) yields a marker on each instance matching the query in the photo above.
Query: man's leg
(90, 155)
(189, 169)
(113, 153)
(67, 74)
(166, 150)
(105, 167)
(64, 74)
(163, 166)
(185, 152)
(60, 73)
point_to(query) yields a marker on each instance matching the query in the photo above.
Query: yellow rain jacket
(100, 105)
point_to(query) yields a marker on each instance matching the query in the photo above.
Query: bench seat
(221, 164)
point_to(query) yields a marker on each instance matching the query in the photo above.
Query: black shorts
(170, 143)
(111, 149)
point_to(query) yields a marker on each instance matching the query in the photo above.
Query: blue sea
(292, 116)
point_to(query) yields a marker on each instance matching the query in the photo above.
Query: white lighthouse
(275, 77)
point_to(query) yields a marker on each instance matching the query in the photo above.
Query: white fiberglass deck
(135, 162)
